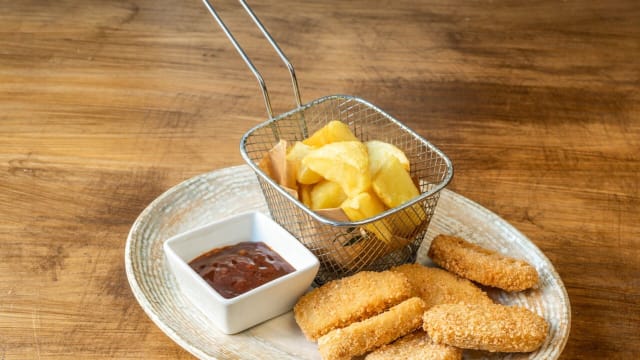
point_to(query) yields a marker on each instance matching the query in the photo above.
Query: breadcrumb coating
(366, 335)
(437, 286)
(482, 265)
(341, 302)
(415, 346)
(495, 328)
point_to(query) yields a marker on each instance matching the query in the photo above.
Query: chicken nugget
(437, 286)
(482, 265)
(495, 328)
(366, 335)
(341, 302)
(415, 346)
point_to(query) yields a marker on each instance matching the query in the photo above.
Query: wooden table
(104, 105)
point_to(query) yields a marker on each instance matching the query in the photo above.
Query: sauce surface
(236, 269)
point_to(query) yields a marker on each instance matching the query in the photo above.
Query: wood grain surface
(104, 105)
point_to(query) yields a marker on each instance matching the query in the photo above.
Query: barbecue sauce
(236, 269)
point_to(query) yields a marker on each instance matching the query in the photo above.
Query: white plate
(234, 190)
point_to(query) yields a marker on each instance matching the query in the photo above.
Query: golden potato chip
(380, 152)
(334, 131)
(393, 184)
(327, 194)
(304, 194)
(364, 206)
(345, 162)
(303, 174)
(406, 223)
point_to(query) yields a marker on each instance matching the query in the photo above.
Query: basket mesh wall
(346, 249)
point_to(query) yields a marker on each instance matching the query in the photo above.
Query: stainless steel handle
(247, 60)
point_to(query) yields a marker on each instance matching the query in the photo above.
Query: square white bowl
(255, 306)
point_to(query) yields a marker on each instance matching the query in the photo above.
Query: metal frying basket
(344, 247)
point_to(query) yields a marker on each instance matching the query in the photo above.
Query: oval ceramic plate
(234, 190)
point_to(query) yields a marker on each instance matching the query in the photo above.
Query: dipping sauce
(236, 269)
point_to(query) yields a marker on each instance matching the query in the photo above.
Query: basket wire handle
(247, 60)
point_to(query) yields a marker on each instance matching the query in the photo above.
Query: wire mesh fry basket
(344, 247)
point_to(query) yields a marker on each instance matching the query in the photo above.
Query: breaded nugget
(341, 302)
(366, 335)
(415, 346)
(437, 286)
(481, 265)
(495, 328)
